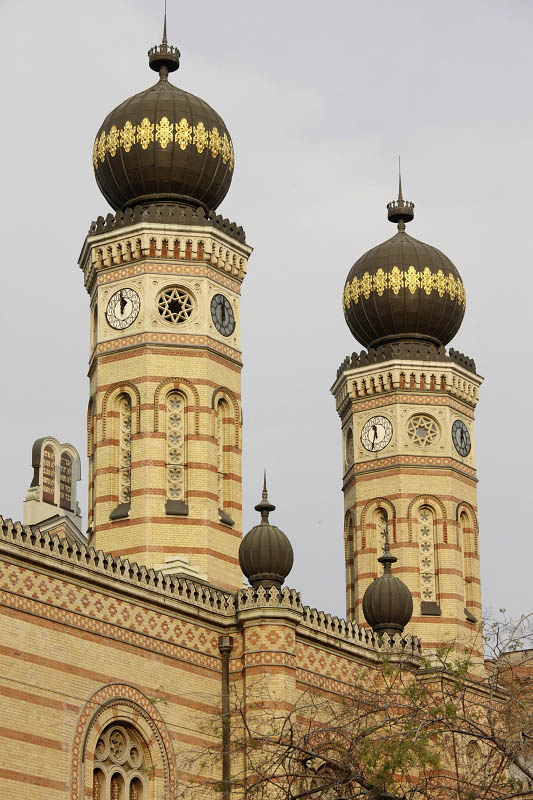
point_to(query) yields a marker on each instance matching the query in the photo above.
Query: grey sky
(319, 98)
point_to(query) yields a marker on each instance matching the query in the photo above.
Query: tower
(407, 415)
(164, 275)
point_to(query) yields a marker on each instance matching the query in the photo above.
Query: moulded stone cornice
(120, 248)
(119, 577)
(406, 376)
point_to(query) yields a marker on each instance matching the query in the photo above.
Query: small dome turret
(403, 289)
(265, 554)
(387, 602)
(163, 145)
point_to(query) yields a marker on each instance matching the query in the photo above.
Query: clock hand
(123, 303)
(375, 432)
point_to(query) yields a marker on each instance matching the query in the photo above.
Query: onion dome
(403, 289)
(163, 145)
(265, 554)
(387, 602)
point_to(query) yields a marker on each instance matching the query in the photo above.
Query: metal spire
(400, 210)
(265, 506)
(387, 558)
(165, 26)
(164, 58)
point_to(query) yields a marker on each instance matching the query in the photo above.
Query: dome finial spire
(387, 602)
(400, 210)
(265, 554)
(165, 58)
(400, 196)
(387, 558)
(165, 26)
(265, 506)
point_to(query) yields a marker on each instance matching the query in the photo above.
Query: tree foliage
(446, 729)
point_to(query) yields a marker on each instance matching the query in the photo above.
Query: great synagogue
(122, 640)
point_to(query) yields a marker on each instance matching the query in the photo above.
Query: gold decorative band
(411, 279)
(164, 132)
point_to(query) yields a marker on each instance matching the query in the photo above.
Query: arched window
(124, 449)
(350, 565)
(467, 546)
(425, 525)
(348, 449)
(381, 522)
(94, 326)
(176, 453)
(121, 765)
(223, 434)
(65, 482)
(49, 475)
(91, 452)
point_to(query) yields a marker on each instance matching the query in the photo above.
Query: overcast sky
(319, 99)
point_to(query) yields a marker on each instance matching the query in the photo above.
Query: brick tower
(407, 415)
(164, 275)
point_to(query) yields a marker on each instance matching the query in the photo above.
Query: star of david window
(423, 431)
(175, 305)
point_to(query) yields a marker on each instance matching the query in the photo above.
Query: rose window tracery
(175, 305)
(120, 765)
(423, 431)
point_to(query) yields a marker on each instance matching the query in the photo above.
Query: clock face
(376, 434)
(461, 437)
(222, 315)
(123, 308)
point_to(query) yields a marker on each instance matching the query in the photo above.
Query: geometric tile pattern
(99, 613)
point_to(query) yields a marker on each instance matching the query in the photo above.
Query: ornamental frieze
(410, 279)
(161, 134)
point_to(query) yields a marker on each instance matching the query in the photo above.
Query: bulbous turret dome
(163, 144)
(403, 289)
(265, 554)
(387, 602)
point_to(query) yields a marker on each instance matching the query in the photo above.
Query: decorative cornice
(161, 134)
(169, 340)
(415, 399)
(198, 270)
(406, 461)
(69, 558)
(166, 214)
(405, 351)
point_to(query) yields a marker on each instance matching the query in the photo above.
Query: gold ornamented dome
(403, 289)
(163, 145)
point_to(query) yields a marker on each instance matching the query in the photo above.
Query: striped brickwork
(426, 496)
(90, 641)
(145, 363)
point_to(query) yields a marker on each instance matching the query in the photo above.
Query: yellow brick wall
(402, 479)
(145, 362)
(75, 642)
